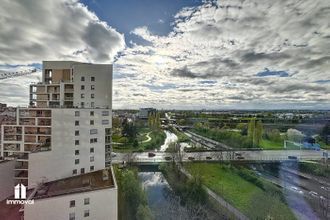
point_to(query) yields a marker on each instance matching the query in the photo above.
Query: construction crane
(6, 75)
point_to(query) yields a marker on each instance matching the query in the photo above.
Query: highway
(269, 155)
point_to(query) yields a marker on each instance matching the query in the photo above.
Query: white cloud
(32, 31)
(230, 42)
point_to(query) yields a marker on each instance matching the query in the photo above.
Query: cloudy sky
(178, 53)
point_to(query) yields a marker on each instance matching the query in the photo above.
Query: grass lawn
(324, 145)
(271, 145)
(253, 201)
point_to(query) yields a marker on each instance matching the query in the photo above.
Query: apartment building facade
(86, 196)
(66, 130)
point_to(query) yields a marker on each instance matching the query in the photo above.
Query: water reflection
(162, 201)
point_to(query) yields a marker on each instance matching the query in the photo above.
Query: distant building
(145, 112)
(2, 106)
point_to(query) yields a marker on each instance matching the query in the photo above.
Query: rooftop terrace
(97, 180)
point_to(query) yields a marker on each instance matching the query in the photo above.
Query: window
(91, 113)
(93, 131)
(86, 213)
(76, 123)
(82, 104)
(82, 87)
(91, 168)
(86, 201)
(82, 170)
(92, 104)
(76, 152)
(76, 161)
(105, 122)
(76, 132)
(72, 203)
(93, 140)
(76, 113)
(91, 122)
(76, 142)
(91, 159)
(92, 95)
(92, 87)
(107, 148)
(72, 216)
(82, 95)
(91, 150)
(105, 113)
(107, 131)
(82, 78)
(74, 172)
(92, 78)
(107, 139)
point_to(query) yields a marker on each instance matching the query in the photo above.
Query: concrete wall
(60, 161)
(103, 206)
(102, 84)
(6, 179)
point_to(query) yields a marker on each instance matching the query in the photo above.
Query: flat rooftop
(77, 184)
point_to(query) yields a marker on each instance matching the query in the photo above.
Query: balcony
(21, 165)
(12, 130)
(45, 146)
(35, 113)
(21, 174)
(27, 121)
(11, 147)
(44, 122)
(37, 131)
(68, 98)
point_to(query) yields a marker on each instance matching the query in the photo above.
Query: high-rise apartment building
(66, 130)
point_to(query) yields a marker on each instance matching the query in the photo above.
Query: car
(238, 154)
(240, 158)
(191, 158)
(314, 194)
(292, 158)
(151, 154)
(296, 190)
(113, 154)
(168, 158)
(208, 158)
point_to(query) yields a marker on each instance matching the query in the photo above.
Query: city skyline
(185, 55)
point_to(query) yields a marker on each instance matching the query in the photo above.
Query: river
(163, 204)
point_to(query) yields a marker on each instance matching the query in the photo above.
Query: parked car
(208, 158)
(292, 158)
(191, 158)
(240, 158)
(168, 158)
(151, 154)
(113, 154)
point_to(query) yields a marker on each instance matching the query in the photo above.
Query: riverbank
(256, 198)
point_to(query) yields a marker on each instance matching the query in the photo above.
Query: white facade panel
(60, 161)
(103, 206)
(6, 179)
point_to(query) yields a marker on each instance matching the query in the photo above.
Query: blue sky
(178, 54)
(127, 15)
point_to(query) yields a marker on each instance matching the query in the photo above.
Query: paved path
(148, 138)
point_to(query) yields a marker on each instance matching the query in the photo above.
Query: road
(269, 155)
